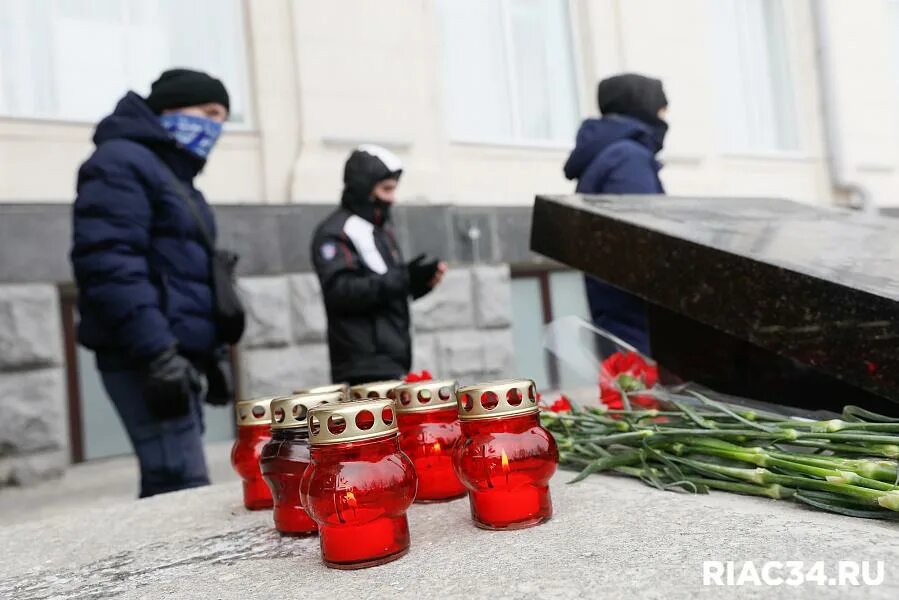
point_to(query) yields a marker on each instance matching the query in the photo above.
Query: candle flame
(436, 447)
(351, 499)
(505, 461)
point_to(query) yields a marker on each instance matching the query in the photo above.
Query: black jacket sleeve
(348, 287)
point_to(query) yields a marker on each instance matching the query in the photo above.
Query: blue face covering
(196, 134)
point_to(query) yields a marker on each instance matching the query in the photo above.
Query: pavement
(96, 483)
(609, 538)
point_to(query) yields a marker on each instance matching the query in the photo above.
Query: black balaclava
(634, 96)
(367, 165)
(177, 88)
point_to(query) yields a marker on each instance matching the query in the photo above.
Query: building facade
(481, 99)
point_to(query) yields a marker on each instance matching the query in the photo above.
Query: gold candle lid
(351, 421)
(325, 389)
(419, 396)
(497, 399)
(375, 389)
(256, 411)
(290, 412)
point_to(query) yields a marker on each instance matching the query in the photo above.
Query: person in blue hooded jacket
(142, 266)
(616, 154)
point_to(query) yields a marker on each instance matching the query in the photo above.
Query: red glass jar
(505, 458)
(429, 428)
(375, 389)
(254, 419)
(359, 484)
(285, 457)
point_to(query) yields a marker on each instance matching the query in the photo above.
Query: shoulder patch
(328, 250)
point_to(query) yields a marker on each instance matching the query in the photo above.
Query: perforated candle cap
(497, 399)
(343, 388)
(256, 411)
(375, 389)
(420, 396)
(291, 412)
(352, 421)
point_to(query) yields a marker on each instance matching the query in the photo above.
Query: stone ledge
(609, 538)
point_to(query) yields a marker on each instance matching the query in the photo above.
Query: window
(73, 59)
(757, 106)
(508, 70)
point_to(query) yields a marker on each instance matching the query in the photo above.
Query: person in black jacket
(142, 266)
(365, 283)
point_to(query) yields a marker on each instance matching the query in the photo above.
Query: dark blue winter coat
(140, 262)
(616, 155)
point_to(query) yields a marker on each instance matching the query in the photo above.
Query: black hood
(365, 167)
(632, 95)
(133, 120)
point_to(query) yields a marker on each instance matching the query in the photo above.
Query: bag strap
(185, 195)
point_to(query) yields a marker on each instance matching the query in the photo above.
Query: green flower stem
(762, 476)
(761, 459)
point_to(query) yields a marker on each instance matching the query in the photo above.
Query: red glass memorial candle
(359, 483)
(285, 457)
(375, 389)
(505, 458)
(429, 428)
(254, 419)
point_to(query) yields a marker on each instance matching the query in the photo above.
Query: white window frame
(801, 153)
(249, 125)
(516, 141)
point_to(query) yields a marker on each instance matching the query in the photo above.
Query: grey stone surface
(35, 241)
(97, 483)
(274, 239)
(32, 405)
(609, 538)
(281, 370)
(424, 353)
(29, 469)
(499, 352)
(30, 329)
(425, 230)
(252, 231)
(492, 295)
(449, 306)
(474, 235)
(267, 302)
(463, 355)
(307, 308)
(296, 226)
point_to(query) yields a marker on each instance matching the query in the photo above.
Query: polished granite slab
(810, 289)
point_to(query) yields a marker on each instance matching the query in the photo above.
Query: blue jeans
(170, 452)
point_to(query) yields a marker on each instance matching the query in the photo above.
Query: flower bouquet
(685, 438)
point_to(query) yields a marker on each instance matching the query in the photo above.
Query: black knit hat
(177, 88)
(633, 95)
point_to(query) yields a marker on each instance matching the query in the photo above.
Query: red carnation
(628, 372)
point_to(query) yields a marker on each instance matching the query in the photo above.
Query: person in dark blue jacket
(616, 154)
(142, 267)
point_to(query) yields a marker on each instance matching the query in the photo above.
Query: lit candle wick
(504, 461)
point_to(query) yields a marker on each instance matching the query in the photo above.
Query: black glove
(421, 274)
(220, 377)
(171, 383)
